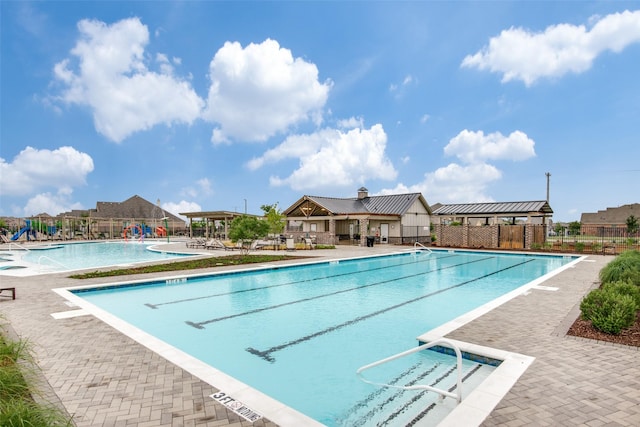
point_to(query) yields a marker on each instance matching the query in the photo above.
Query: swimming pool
(82, 255)
(299, 333)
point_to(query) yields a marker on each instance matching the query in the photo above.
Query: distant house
(611, 217)
(397, 218)
(529, 212)
(109, 219)
(135, 207)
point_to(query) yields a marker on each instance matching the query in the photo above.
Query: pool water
(299, 333)
(76, 256)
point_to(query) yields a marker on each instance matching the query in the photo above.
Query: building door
(384, 233)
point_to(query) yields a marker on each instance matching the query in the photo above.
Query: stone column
(332, 231)
(364, 225)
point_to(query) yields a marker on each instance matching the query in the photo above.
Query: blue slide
(21, 232)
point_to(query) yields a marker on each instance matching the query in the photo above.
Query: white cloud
(108, 74)
(52, 204)
(474, 147)
(520, 54)
(469, 182)
(453, 184)
(399, 89)
(332, 157)
(350, 123)
(181, 206)
(33, 169)
(261, 90)
(202, 188)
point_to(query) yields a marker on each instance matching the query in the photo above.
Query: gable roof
(616, 215)
(133, 207)
(394, 204)
(498, 208)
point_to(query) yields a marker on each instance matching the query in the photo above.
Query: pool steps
(406, 401)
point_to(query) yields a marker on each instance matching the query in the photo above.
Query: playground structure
(87, 228)
(31, 229)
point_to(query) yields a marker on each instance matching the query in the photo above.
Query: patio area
(102, 377)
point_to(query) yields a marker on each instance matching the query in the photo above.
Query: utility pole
(548, 176)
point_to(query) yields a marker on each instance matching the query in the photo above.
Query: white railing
(18, 246)
(52, 260)
(444, 393)
(422, 247)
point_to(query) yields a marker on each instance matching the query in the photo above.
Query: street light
(245, 206)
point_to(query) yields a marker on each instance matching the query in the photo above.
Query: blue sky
(221, 105)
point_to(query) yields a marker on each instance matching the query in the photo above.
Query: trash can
(370, 240)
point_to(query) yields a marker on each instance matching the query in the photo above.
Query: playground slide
(161, 231)
(20, 233)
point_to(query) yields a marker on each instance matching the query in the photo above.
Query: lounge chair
(214, 244)
(198, 243)
(232, 246)
(308, 243)
(291, 246)
(4, 238)
(258, 244)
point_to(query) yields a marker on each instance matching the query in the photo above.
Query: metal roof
(498, 208)
(395, 204)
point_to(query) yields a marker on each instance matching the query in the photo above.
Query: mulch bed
(584, 329)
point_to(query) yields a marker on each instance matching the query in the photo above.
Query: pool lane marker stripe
(200, 325)
(155, 306)
(266, 354)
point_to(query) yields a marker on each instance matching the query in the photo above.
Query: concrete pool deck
(102, 377)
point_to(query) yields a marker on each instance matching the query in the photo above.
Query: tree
(274, 217)
(632, 225)
(559, 229)
(574, 228)
(246, 229)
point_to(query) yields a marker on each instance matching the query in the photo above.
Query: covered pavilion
(213, 221)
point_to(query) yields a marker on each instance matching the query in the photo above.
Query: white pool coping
(470, 412)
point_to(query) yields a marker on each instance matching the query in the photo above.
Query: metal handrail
(442, 341)
(416, 244)
(53, 260)
(19, 246)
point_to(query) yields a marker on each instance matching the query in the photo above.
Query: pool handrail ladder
(19, 246)
(443, 393)
(52, 260)
(422, 247)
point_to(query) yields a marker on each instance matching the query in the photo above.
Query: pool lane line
(266, 354)
(200, 325)
(155, 306)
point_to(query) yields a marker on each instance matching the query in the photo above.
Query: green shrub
(624, 288)
(625, 267)
(579, 247)
(608, 310)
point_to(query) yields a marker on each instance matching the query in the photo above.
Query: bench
(12, 290)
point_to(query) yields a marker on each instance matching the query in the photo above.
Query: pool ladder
(422, 247)
(52, 260)
(443, 393)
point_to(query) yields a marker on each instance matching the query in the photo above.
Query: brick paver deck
(104, 378)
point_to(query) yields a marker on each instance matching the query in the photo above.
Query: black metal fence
(592, 239)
